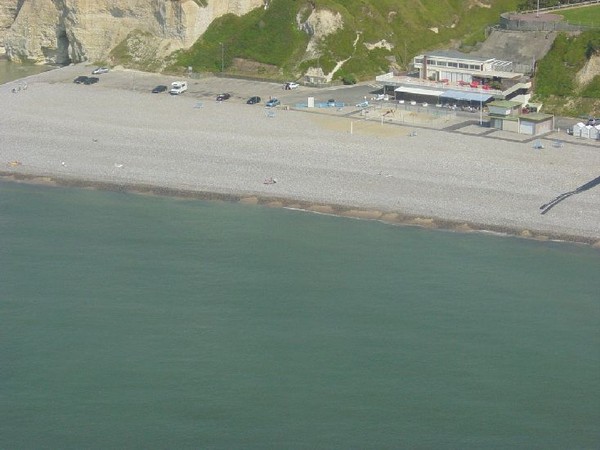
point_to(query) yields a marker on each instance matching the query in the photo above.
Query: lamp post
(222, 57)
(480, 107)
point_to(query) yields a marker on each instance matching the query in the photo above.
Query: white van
(178, 87)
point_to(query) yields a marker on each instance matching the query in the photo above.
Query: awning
(419, 91)
(467, 96)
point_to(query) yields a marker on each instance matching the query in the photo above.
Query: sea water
(131, 321)
(10, 71)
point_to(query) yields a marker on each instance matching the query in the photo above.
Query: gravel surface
(104, 133)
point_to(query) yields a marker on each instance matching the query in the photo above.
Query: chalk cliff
(62, 31)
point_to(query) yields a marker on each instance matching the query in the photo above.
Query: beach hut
(577, 129)
(597, 131)
(536, 123)
(594, 130)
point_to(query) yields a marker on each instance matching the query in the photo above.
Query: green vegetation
(266, 36)
(137, 51)
(556, 83)
(531, 5)
(589, 15)
(277, 35)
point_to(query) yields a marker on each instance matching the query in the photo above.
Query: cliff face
(8, 12)
(62, 31)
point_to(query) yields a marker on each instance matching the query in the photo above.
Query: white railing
(411, 81)
(560, 6)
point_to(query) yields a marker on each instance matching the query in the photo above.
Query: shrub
(349, 79)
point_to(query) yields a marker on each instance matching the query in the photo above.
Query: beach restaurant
(453, 77)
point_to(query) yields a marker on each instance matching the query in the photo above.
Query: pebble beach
(104, 136)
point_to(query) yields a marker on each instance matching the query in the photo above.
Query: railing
(389, 77)
(560, 6)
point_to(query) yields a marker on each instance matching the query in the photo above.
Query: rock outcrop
(63, 31)
(590, 70)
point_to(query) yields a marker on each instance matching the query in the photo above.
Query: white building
(452, 77)
(457, 67)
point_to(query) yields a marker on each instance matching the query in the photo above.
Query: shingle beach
(108, 137)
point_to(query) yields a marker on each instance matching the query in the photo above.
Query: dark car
(158, 89)
(253, 100)
(222, 97)
(80, 79)
(91, 80)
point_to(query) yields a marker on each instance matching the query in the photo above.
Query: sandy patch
(249, 200)
(362, 214)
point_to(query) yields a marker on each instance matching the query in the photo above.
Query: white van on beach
(178, 87)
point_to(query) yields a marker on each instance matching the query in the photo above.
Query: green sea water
(141, 322)
(10, 71)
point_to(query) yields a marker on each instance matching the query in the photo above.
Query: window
(463, 66)
(452, 64)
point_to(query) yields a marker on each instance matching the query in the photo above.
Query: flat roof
(469, 96)
(504, 104)
(419, 91)
(455, 54)
(497, 74)
(536, 117)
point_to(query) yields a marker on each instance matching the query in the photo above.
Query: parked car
(290, 85)
(331, 102)
(100, 70)
(253, 100)
(160, 88)
(91, 80)
(272, 103)
(80, 79)
(224, 96)
(362, 104)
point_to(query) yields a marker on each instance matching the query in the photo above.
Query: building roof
(419, 91)
(505, 104)
(536, 117)
(468, 96)
(454, 54)
(497, 74)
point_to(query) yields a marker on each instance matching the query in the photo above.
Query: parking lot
(209, 87)
(206, 88)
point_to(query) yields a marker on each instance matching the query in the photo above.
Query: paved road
(240, 90)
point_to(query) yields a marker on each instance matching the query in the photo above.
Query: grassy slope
(271, 36)
(588, 15)
(555, 81)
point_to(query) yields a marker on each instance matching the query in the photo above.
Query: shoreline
(389, 217)
(117, 136)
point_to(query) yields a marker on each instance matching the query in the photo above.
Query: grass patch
(585, 15)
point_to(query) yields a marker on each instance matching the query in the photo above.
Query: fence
(519, 22)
